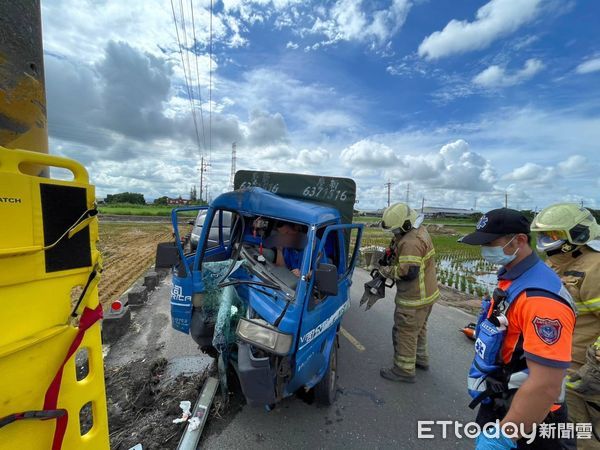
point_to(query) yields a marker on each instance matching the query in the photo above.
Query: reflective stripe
(424, 299)
(516, 380)
(406, 359)
(405, 363)
(591, 305)
(409, 259)
(476, 384)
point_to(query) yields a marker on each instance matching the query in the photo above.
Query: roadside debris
(185, 407)
(142, 401)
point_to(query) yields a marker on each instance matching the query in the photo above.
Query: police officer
(413, 269)
(524, 335)
(566, 233)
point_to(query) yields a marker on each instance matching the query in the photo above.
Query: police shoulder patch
(548, 330)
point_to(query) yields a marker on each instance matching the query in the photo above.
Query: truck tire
(326, 389)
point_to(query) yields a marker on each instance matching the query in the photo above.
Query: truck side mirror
(326, 279)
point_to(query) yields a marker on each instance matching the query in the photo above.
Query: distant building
(375, 213)
(177, 201)
(431, 211)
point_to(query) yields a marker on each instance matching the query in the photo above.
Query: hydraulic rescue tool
(375, 289)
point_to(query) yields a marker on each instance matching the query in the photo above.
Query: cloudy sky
(462, 101)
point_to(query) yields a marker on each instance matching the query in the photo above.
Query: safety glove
(586, 381)
(387, 271)
(596, 346)
(497, 441)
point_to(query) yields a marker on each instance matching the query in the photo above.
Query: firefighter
(566, 233)
(413, 270)
(523, 344)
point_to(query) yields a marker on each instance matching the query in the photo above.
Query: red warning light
(116, 305)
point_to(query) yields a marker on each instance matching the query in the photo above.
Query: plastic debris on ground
(186, 412)
(194, 423)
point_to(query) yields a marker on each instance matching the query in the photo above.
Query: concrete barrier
(137, 295)
(151, 280)
(116, 322)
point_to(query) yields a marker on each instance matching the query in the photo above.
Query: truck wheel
(326, 389)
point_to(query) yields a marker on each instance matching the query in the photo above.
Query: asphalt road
(370, 412)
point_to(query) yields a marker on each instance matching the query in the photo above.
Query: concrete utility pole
(23, 121)
(203, 166)
(506, 199)
(233, 163)
(389, 187)
(422, 204)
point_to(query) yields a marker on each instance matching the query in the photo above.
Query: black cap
(497, 223)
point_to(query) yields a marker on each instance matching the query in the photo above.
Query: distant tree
(193, 194)
(161, 200)
(126, 197)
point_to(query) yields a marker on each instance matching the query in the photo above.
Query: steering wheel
(236, 242)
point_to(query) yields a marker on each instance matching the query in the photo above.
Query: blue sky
(463, 101)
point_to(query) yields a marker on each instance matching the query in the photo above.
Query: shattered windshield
(273, 250)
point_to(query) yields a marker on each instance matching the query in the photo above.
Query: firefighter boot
(395, 374)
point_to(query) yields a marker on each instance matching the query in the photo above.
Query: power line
(210, 82)
(187, 84)
(198, 74)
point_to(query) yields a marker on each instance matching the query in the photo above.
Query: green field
(444, 243)
(126, 209)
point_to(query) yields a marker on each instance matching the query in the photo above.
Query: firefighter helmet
(564, 225)
(400, 218)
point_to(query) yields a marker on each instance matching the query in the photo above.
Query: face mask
(496, 255)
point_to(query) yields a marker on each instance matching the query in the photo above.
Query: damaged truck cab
(265, 292)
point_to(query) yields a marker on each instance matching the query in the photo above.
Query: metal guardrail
(190, 438)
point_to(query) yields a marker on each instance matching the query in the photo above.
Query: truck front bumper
(256, 376)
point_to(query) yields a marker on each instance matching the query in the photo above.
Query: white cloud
(497, 76)
(573, 165)
(291, 45)
(454, 166)
(493, 20)
(589, 66)
(316, 158)
(348, 21)
(367, 153)
(531, 173)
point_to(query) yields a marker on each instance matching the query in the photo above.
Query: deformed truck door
(322, 314)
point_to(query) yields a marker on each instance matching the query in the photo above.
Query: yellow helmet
(400, 218)
(564, 223)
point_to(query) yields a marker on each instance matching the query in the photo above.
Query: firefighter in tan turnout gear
(567, 233)
(413, 270)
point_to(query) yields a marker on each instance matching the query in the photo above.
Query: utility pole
(389, 186)
(203, 166)
(506, 199)
(23, 123)
(422, 204)
(233, 164)
(407, 192)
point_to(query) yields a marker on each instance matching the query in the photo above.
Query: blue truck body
(287, 339)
